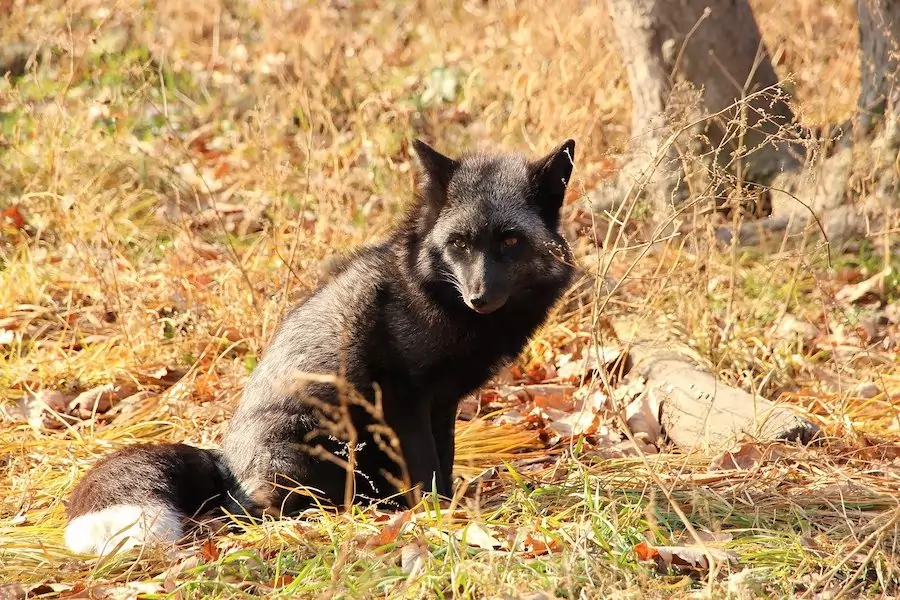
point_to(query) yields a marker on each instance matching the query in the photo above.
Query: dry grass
(184, 172)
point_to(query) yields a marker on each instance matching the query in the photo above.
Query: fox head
(487, 225)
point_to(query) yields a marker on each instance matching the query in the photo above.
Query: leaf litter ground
(172, 182)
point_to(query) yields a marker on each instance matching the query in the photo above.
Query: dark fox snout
(484, 303)
(484, 285)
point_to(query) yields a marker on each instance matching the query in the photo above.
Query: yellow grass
(184, 187)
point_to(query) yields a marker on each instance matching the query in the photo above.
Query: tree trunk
(879, 58)
(854, 193)
(716, 47)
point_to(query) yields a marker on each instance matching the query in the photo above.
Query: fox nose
(484, 304)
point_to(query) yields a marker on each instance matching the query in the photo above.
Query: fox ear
(436, 170)
(550, 176)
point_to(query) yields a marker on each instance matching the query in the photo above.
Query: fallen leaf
(643, 416)
(791, 326)
(562, 414)
(538, 372)
(744, 457)
(645, 551)
(610, 448)
(594, 360)
(13, 216)
(412, 558)
(20, 591)
(503, 377)
(538, 544)
(231, 334)
(170, 576)
(474, 534)
(237, 218)
(280, 581)
(209, 551)
(558, 397)
(683, 557)
(596, 401)
(46, 409)
(855, 292)
(486, 475)
(162, 376)
(510, 417)
(573, 424)
(892, 312)
(865, 389)
(98, 400)
(126, 591)
(390, 532)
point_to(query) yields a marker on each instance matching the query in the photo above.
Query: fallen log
(698, 412)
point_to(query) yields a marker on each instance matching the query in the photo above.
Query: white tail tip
(102, 531)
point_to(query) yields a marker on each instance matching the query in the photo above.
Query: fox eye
(459, 243)
(510, 241)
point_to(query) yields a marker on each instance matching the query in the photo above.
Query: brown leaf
(503, 377)
(744, 457)
(209, 551)
(609, 448)
(538, 544)
(645, 551)
(46, 409)
(537, 372)
(683, 557)
(21, 591)
(170, 576)
(126, 591)
(231, 334)
(12, 216)
(558, 397)
(99, 400)
(578, 416)
(391, 531)
(642, 415)
(855, 292)
(280, 581)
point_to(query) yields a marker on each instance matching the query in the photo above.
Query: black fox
(412, 324)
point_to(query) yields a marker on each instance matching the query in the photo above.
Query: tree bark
(879, 60)
(716, 47)
(854, 193)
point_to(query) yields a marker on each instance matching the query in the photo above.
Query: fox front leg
(420, 452)
(443, 428)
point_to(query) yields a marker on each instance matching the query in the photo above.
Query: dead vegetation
(174, 178)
